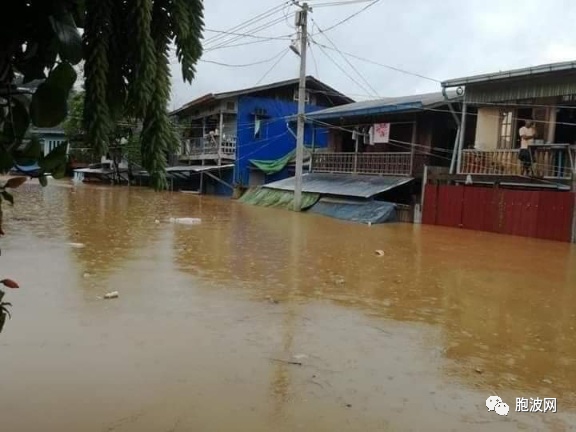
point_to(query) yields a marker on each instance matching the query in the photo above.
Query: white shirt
(524, 143)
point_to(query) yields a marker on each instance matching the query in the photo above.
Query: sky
(438, 39)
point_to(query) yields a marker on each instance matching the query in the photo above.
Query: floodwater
(211, 316)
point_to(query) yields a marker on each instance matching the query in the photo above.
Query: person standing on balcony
(527, 134)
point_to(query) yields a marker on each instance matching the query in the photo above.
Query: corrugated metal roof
(310, 81)
(514, 73)
(360, 186)
(384, 105)
(508, 91)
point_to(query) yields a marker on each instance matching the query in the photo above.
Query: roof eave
(515, 73)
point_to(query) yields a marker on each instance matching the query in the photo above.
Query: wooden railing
(551, 161)
(203, 148)
(390, 163)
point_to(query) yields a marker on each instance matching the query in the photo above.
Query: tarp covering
(273, 166)
(276, 165)
(27, 168)
(356, 211)
(360, 186)
(276, 198)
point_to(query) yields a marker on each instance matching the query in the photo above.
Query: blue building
(246, 137)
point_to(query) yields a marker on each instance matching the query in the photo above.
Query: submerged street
(267, 320)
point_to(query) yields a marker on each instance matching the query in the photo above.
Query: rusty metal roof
(360, 186)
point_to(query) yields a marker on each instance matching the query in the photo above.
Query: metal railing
(208, 148)
(552, 161)
(389, 163)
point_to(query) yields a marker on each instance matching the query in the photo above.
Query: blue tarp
(362, 211)
(27, 168)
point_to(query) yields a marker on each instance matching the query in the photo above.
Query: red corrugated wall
(539, 214)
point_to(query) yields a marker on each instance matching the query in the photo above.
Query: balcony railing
(208, 148)
(551, 161)
(390, 163)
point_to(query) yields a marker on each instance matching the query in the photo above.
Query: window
(257, 127)
(231, 106)
(506, 130)
(296, 96)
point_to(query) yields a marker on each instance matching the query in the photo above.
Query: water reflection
(506, 305)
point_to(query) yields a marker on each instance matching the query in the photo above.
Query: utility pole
(302, 23)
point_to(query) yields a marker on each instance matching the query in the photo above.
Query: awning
(359, 186)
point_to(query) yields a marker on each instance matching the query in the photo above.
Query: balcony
(551, 161)
(389, 163)
(208, 149)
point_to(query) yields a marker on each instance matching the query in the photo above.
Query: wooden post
(413, 146)
(356, 152)
(220, 134)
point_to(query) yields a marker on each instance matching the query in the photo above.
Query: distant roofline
(513, 73)
(225, 95)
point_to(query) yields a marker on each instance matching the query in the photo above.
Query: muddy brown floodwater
(210, 316)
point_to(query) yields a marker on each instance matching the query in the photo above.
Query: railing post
(413, 147)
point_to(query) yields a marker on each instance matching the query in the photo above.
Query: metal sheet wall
(539, 214)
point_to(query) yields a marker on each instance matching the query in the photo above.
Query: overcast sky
(440, 39)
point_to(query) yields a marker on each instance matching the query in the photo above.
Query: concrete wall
(487, 128)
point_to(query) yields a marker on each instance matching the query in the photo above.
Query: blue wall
(275, 139)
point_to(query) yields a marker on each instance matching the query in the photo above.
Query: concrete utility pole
(302, 23)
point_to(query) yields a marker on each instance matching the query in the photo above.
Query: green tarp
(266, 197)
(276, 165)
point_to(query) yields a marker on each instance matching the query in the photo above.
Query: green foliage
(125, 45)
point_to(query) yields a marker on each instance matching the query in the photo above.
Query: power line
(273, 66)
(344, 71)
(352, 16)
(241, 44)
(246, 64)
(238, 27)
(380, 64)
(285, 37)
(345, 59)
(251, 30)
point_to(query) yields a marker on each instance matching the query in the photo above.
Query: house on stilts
(242, 138)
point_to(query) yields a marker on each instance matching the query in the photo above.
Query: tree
(126, 47)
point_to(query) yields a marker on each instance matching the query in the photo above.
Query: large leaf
(62, 76)
(49, 106)
(15, 182)
(70, 47)
(59, 172)
(50, 101)
(6, 161)
(33, 151)
(10, 198)
(17, 120)
(53, 160)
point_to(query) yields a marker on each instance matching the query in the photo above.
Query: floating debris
(77, 245)
(111, 295)
(379, 252)
(186, 221)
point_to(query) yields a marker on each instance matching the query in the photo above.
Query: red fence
(540, 214)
